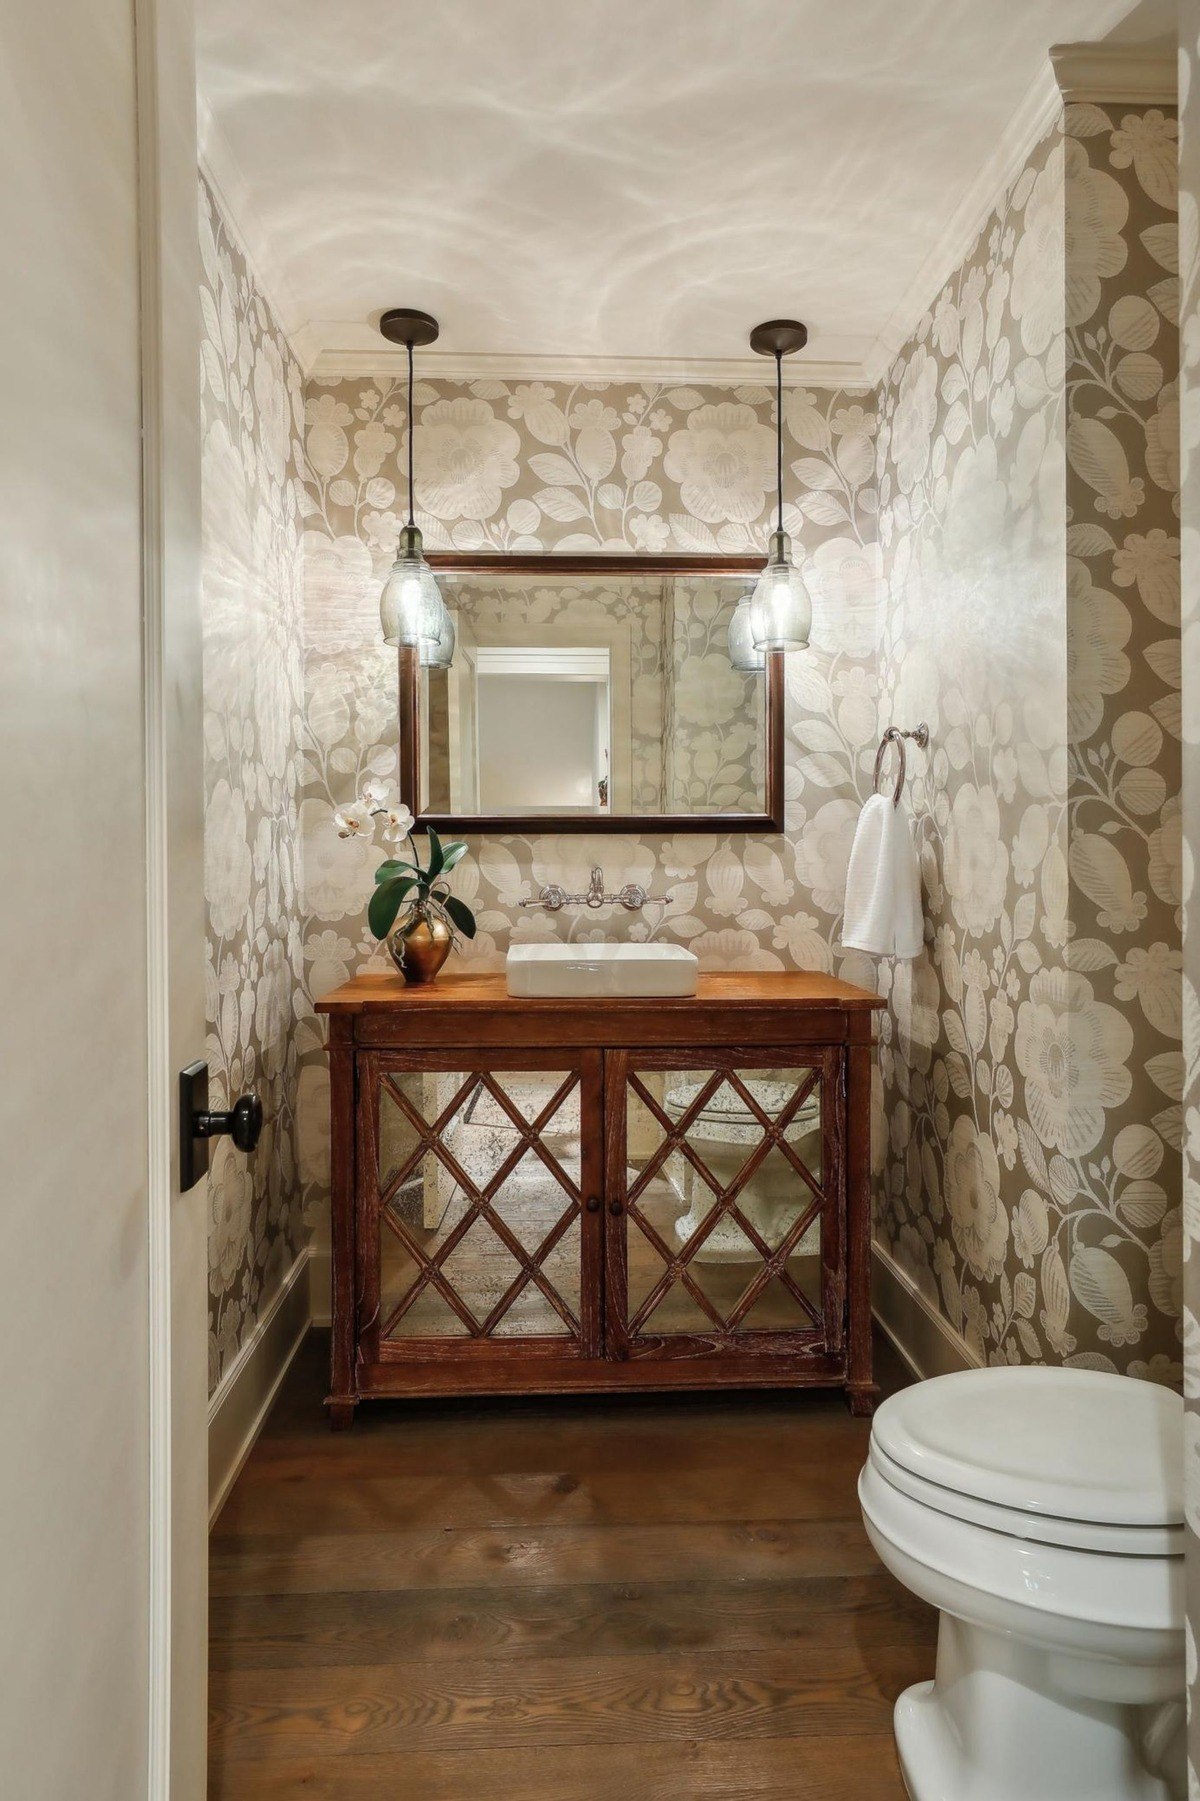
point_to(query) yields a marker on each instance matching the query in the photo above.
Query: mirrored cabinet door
(474, 1227)
(727, 1182)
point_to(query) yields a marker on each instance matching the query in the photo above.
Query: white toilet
(1041, 1511)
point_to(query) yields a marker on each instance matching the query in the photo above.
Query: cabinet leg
(861, 1399)
(341, 1413)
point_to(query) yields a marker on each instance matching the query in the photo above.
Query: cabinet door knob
(593, 1203)
(614, 1207)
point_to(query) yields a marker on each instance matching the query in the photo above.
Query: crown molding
(230, 189)
(1025, 130)
(1133, 73)
(307, 345)
(354, 352)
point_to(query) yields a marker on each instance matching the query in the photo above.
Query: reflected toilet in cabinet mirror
(726, 1132)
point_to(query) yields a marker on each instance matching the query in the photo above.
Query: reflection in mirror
(592, 695)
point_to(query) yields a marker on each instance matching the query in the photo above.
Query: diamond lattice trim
(431, 1269)
(676, 1262)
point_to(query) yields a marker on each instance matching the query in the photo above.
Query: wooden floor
(641, 1599)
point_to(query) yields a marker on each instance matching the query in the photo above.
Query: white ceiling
(594, 186)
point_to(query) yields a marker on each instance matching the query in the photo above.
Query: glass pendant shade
(411, 610)
(410, 607)
(780, 608)
(438, 653)
(743, 653)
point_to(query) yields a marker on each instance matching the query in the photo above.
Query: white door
(102, 1405)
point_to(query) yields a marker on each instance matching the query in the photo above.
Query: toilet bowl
(724, 1133)
(1041, 1511)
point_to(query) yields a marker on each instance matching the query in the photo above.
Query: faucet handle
(551, 897)
(633, 896)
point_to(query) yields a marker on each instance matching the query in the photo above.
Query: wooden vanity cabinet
(532, 1196)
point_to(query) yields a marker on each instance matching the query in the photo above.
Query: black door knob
(243, 1122)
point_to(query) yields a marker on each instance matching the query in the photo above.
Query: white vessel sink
(621, 970)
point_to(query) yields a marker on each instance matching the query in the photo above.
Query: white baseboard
(243, 1397)
(924, 1337)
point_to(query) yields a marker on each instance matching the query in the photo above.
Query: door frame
(177, 1224)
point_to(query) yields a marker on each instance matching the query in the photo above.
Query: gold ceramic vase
(419, 943)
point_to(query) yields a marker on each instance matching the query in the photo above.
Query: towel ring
(895, 736)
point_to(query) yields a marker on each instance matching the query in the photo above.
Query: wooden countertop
(731, 988)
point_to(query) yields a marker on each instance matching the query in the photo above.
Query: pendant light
(744, 654)
(438, 653)
(411, 610)
(780, 608)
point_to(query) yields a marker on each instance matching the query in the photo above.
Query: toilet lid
(1042, 1528)
(1064, 1443)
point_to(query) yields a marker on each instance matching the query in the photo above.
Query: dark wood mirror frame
(466, 563)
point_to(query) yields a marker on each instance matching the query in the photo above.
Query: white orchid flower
(398, 823)
(352, 822)
(374, 795)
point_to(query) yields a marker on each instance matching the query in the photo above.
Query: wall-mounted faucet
(631, 896)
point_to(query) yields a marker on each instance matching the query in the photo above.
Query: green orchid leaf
(452, 854)
(384, 905)
(436, 859)
(392, 868)
(461, 915)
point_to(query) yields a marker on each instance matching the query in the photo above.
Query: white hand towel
(883, 884)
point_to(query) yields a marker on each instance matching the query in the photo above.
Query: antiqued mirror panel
(725, 1198)
(589, 697)
(479, 1205)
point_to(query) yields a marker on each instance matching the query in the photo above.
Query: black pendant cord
(779, 432)
(410, 436)
(404, 325)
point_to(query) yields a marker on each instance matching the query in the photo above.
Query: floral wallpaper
(713, 750)
(1029, 1134)
(1122, 994)
(1189, 270)
(252, 418)
(539, 466)
(972, 530)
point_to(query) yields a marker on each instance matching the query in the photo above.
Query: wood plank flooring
(585, 1599)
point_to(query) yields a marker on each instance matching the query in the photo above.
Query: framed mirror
(592, 694)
